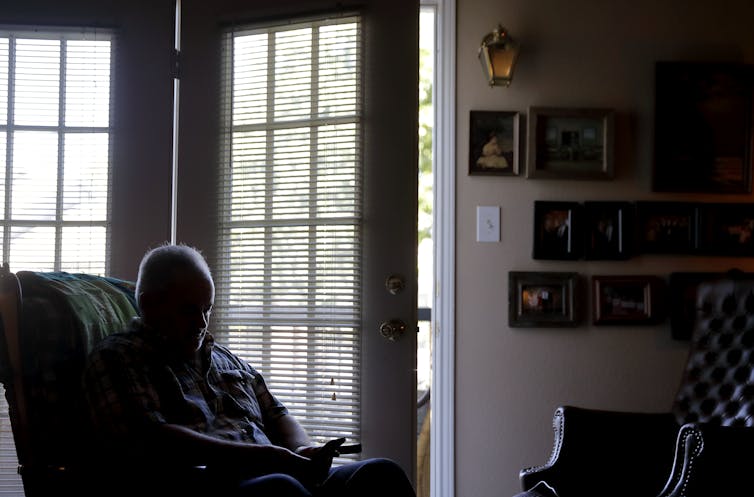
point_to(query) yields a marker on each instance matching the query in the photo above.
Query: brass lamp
(498, 54)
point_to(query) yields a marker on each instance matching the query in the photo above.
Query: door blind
(54, 164)
(288, 271)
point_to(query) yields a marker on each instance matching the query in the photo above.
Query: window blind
(54, 149)
(288, 271)
(54, 164)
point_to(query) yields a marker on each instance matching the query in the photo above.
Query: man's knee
(277, 484)
(384, 474)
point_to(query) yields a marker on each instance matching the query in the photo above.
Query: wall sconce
(498, 54)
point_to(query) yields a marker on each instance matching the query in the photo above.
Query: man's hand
(321, 458)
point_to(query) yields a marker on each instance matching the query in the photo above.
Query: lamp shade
(498, 53)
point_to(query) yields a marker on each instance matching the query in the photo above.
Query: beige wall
(579, 53)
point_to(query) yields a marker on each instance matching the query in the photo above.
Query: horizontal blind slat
(288, 271)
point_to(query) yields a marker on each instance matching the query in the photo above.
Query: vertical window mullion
(9, 146)
(269, 187)
(61, 155)
(313, 137)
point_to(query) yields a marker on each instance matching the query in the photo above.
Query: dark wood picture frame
(609, 228)
(570, 143)
(726, 229)
(703, 137)
(558, 230)
(494, 139)
(665, 227)
(682, 294)
(627, 299)
(543, 299)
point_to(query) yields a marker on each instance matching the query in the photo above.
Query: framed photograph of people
(682, 295)
(666, 227)
(627, 299)
(703, 138)
(569, 143)
(726, 229)
(494, 143)
(608, 229)
(543, 299)
(558, 230)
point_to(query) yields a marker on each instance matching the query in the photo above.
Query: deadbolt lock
(393, 329)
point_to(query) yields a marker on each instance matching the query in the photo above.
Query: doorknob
(395, 283)
(393, 329)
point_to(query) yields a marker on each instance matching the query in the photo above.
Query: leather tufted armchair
(702, 447)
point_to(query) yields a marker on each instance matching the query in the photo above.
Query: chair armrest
(711, 460)
(597, 449)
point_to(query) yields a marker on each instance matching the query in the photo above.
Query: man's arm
(287, 432)
(197, 448)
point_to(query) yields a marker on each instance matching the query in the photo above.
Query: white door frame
(442, 399)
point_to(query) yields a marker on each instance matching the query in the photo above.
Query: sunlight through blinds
(55, 149)
(288, 271)
(55, 132)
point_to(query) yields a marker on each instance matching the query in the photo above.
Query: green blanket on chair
(63, 315)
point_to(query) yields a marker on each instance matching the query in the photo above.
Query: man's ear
(146, 302)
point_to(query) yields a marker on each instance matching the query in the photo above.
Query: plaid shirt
(131, 385)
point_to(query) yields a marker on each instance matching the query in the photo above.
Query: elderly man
(165, 395)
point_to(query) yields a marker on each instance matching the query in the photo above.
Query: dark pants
(367, 478)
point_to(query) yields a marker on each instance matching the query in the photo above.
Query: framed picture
(493, 143)
(666, 227)
(570, 143)
(703, 127)
(542, 299)
(558, 230)
(627, 299)
(609, 229)
(682, 294)
(726, 229)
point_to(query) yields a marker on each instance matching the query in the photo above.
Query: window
(54, 165)
(288, 272)
(54, 149)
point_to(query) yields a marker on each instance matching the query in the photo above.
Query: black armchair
(700, 448)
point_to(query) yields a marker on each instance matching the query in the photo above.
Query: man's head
(175, 293)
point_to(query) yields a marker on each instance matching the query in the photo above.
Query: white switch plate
(487, 223)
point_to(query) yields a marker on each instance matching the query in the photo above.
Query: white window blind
(288, 271)
(55, 149)
(54, 164)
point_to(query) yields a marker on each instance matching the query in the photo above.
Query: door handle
(393, 329)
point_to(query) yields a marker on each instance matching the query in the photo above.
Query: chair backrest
(718, 382)
(50, 321)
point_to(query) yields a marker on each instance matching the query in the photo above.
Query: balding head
(161, 266)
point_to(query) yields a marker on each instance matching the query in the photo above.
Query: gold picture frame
(570, 143)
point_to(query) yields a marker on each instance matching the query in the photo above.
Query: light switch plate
(487, 223)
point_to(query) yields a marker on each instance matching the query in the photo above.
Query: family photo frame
(494, 138)
(627, 299)
(665, 227)
(609, 229)
(618, 230)
(558, 230)
(726, 229)
(682, 295)
(542, 299)
(703, 137)
(570, 143)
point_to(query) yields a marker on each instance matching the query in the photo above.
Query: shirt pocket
(238, 394)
